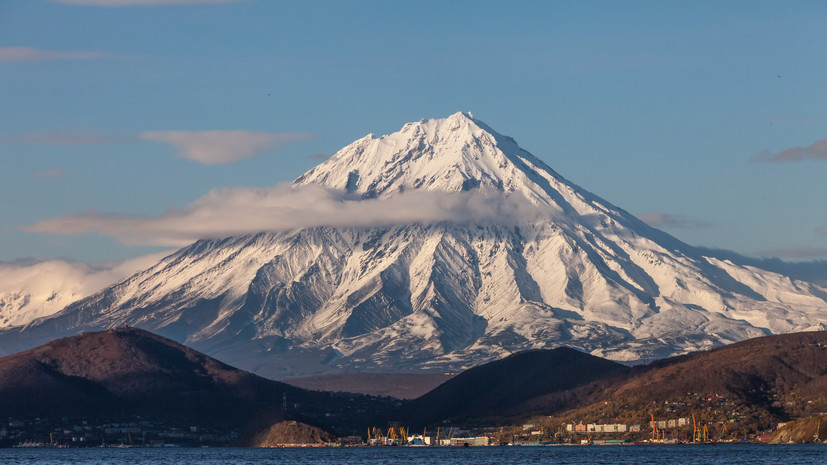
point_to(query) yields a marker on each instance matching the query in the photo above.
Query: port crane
(695, 434)
(657, 433)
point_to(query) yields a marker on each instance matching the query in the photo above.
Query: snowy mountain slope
(447, 295)
(33, 289)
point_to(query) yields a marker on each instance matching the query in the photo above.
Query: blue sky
(707, 119)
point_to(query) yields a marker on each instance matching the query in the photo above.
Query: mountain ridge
(445, 295)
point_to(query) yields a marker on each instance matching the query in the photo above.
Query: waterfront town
(150, 433)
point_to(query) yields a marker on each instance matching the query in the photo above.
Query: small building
(419, 440)
(471, 441)
(609, 428)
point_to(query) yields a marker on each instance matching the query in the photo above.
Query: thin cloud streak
(53, 173)
(221, 147)
(667, 220)
(69, 138)
(119, 3)
(816, 151)
(28, 54)
(798, 253)
(229, 212)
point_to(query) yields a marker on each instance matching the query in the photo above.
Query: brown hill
(750, 386)
(128, 372)
(500, 389)
(740, 389)
(762, 371)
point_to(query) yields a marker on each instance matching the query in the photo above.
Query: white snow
(449, 295)
(32, 290)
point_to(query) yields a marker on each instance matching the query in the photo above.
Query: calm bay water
(747, 454)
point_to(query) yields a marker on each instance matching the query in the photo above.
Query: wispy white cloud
(229, 212)
(816, 151)
(667, 220)
(37, 288)
(798, 253)
(53, 173)
(221, 147)
(116, 3)
(24, 54)
(214, 147)
(69, 138)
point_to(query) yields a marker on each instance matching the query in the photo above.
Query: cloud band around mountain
(228, 212)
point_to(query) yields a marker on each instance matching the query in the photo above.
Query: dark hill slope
(128, 372)
(758, 382)
(499, 389)
(749, 386)
(761, 371)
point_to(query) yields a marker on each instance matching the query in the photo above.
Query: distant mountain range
(519, 258)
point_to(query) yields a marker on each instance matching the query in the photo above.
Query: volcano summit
(518, 258)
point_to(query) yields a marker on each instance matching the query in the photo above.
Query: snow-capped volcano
(578, 271)
(446, 155)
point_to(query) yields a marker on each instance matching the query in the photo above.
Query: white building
(472, 441)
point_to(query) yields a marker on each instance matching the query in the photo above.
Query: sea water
(728, 454)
